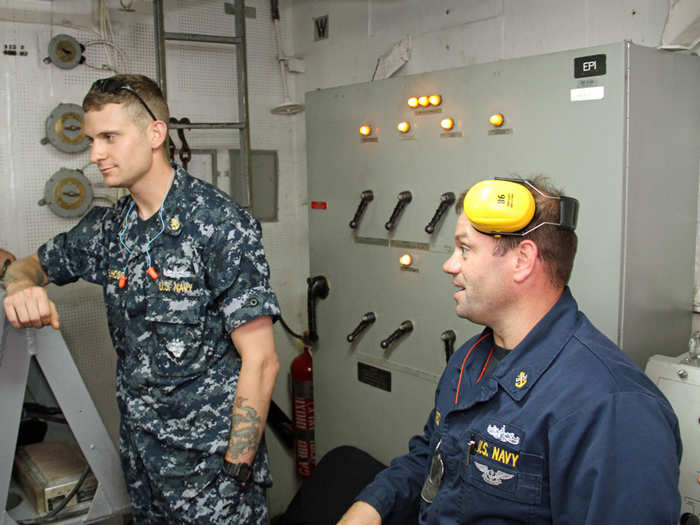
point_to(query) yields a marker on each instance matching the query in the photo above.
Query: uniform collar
(521, 369)
(175, 211)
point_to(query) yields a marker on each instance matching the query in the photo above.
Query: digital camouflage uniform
(177, 368)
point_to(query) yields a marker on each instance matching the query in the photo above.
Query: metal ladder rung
(208, 125)
(194, 37)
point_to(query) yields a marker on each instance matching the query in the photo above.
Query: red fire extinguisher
(303, 395)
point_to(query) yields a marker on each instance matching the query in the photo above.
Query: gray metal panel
(264, 169)
(581, 145)
(664, 125)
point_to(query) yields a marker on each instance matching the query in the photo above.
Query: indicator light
(496, 119)
(404, 127)
(413, 102)
(423, 101)
(435, 100)
(406, 259)
(365, 130)
(447, 124)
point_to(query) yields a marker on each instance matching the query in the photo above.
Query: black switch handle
(404, 328)
(446, 200)
(448, 337)
(404, 198)
(366, 197)
(366, 320)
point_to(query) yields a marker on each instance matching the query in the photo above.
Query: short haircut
(556, 246)
(147, 89)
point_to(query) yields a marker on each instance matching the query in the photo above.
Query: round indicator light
(406, 259)
(423, 101)
(403, 127)
(413, 102)
(447, 123)
(365, 130)
(496, 119)
(435, 100)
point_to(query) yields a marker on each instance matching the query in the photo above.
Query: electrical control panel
(614, 126)
(679, 379)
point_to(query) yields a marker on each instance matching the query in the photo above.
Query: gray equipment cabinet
(623, 139)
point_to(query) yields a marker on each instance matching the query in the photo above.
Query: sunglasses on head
(113, 86)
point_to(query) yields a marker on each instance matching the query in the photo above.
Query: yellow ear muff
(494, 206)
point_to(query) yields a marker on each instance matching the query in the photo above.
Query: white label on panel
(589, 93)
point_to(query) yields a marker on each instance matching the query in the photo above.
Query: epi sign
(590, 66)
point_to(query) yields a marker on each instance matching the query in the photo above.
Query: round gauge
(65, 129)
(68, 193)
(65, 51)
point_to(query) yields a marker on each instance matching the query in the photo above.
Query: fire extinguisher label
(303, 413)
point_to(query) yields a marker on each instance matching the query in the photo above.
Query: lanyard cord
(461, 371)
(148, 244)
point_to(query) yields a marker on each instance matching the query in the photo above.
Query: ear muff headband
(499, 206)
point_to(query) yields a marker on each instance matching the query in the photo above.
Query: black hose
(291, 332)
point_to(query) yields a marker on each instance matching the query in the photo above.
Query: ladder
(237, 9)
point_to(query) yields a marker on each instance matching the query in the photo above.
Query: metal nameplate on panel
(374, 376)
(507, 131)
(450, 134)
(411, 245)
(372, 240)
(590, 66)
(369, 139)
(427, 111)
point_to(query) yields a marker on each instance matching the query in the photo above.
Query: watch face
(244, 472)
(239, 471)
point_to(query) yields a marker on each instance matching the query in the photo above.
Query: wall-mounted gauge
(65, 129)
(68, 193)
(65, 52)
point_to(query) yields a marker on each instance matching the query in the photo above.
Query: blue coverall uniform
(177, 368)
(566, 430)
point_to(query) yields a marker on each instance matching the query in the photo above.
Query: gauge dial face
(65, 51)
(65, 128)
(68, 193)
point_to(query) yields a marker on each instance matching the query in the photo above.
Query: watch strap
(241, 472)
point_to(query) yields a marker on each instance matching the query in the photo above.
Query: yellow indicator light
(403, 127)
(413, 102)
(447, 123)
(365, 130)
(435, 100)
(406, 259)
(423, 101)
(496, 119)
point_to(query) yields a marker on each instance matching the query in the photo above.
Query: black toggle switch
(366, 320)
(366, 197)
(404, 198)
(404, 328)
(446, 200)
(448, 337)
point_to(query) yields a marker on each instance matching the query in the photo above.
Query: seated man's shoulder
(603, 365)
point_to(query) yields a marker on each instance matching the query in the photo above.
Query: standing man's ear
(157, 133)
(524, 261)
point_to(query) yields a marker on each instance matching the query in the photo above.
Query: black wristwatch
(239, 471)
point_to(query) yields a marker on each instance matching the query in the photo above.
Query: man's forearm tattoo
(245, 427)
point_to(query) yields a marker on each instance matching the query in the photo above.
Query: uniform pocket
(504, 472)
(177, 326)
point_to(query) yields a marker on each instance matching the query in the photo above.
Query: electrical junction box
(48, 471)
(615, 126)
(679, 380)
